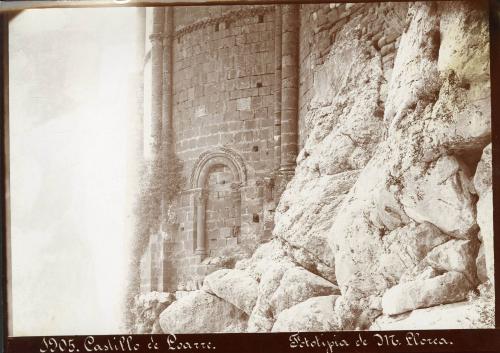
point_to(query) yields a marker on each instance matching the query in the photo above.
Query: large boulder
(443, 317)
(265, 256)
(441, 193)
(200, 312)
(314, 314)
(297, 285)
(305, 214)
(447, 288)
(235, 287)
(405, 247)
(282, 286)
(147, 307)
(455, 255)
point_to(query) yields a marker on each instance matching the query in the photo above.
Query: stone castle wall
(240, 84)
(222, 113)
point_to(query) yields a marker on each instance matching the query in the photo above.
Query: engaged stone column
(167, 77)
(202, 198)
(289, 86)
(156, 78)
(236, 197)
(277, 87)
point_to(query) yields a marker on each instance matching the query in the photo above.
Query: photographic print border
(480, 340)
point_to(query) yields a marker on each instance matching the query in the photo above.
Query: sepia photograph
(248, 168)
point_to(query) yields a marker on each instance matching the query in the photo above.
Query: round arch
(218, 156)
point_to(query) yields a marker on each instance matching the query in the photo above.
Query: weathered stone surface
(414, 76)
(465, 50)
(405, 247)
(345, 127)
(450, 316)
(352, 313)
(412, 175)
(147, 307)
(482, 274)
(261, 318)
(266, 255)
(483, 185)
(234, 286)
(297, 285)
(314, 314)
(419, 273)
(455, 255)
(390, 212)
(440, 193)
(305, 214)
(202, 312)
(447, 288)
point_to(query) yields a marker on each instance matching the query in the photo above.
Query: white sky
(73, 83)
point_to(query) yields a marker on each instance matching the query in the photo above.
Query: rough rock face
(452, 316)
(147, 307)
(297, 285)
(482, 182)
(282, 286)
(202, 312)
(314, 314)
(234, 286)
(441, 193)
(417, 171)
(345, 123)
(447, 288)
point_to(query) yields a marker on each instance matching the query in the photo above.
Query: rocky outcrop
(455, 255)
(440, 193)
(478, 311)
(345, 121)
(146, 309)
(297, 285)
(444, 317)
(447, 288)
(483, 184)
(234, 286)
(314, 314)
(282, 286)
(202, 312)
(381, 223)
(418, 172)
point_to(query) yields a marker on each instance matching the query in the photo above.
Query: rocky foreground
(387, 223)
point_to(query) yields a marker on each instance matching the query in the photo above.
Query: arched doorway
(216, 183)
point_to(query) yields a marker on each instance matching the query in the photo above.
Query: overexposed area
(75, 93)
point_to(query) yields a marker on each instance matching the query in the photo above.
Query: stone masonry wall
(223, 72)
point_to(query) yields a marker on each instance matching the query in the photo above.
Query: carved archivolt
(219, 155)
